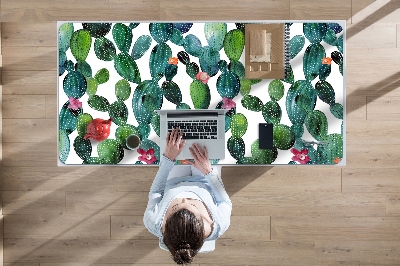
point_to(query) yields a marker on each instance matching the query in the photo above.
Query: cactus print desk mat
(114, 75)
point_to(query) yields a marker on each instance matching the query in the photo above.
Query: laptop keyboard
(196, 129)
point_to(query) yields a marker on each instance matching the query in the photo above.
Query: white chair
(208, 246)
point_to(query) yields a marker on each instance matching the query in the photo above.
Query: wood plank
(76, 178)
(369, 12)
(28, 130)
(225, 10)
(51, 226)
(326, 10)
(227, 251)
(51, 107)
(123, 10)
(359, 36)
(356, 108)
(33, 202)
(106, 203)
(296, 179)
(45, 62)
(309, 204)
(383, 108)
(364, 252)
(42, 154)
(112, 264)
(379, 75)
(21, 264)
(20, 34)
(393, 204)
(126, 227)
(30, 82)
(335, 228)
(371, 155)
(377, 132)
(24, 106)
(371, 180)
(358, 6)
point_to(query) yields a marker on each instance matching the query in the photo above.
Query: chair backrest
(208, 246)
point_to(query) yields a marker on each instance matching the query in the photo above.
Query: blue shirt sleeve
(156, 194)
(222, 199)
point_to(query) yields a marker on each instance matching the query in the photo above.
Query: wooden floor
(281, 215)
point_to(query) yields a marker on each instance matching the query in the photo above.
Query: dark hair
(184, 235)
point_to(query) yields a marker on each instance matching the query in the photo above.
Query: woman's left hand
(174, 144)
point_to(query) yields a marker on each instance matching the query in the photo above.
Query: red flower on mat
(337, 160)
(300, 156)
(173, 61)
(74, 104)
(326, 61)
(147, 156)
(228, 103)
(203, 77)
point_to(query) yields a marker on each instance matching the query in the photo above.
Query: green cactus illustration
(252, 103)
(161, 32)
(74, 84)
(284, 137)
(289, 75)
(122, 90)
(245, 86)
(64, 36)
(330, 37)
(183, 57)
(262, 156)
(82, 147)
(298, 130)
(144, 130)
(183, 106)
(122, 132)
(192, 45)
(141, 46)
(67, 120)
(91, 86)
(155, 123)
(337, 110)
(315, 32)
(172, 92)
(127, 68)
(234, 44)
(333, 150)
(276, 90)
(200, 94)
(228, 84)
(133, 25)
(183, 27)
(177, 37)
(104, 49)
(63, 145)
(317, 124)
(296, 114)
(170, 71)
(215, 35)
(84, 68)
(147, 97)
(312, 60)
(339, 43)
(296, 44)
(209, 61)
(102, 76)
(97, 30)
(159, 57)
(237, 68)
(99, 103)
(192, 69)
(236, 147)
(324, 71)
(118, 112)
(148, 144)
(272, 112)
(122, 36)
(83, 121)
(80, 44)
(325, 92)
(110, 151)
(238, 125)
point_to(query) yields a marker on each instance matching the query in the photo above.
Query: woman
(186, 211)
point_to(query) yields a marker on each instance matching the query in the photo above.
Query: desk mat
(120, 72)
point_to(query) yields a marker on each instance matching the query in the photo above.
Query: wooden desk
(127, 70)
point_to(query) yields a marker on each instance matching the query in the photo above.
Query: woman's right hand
(200, 157)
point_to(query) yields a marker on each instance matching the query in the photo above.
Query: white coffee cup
(133, 142)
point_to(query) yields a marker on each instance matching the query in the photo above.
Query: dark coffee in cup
(132, 142)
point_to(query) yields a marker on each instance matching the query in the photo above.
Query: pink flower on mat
(74, 104)
(300, 156)
(228, 103)
(147, 156)
(203, 77)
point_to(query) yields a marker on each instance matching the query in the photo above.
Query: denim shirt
(209, 188)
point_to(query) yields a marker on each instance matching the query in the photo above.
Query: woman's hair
(184, 235)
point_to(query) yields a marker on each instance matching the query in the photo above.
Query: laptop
(206, 127)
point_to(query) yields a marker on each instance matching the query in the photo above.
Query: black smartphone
(265, 135)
